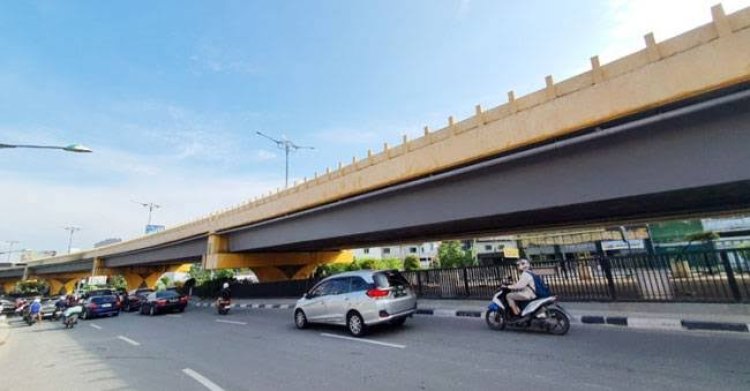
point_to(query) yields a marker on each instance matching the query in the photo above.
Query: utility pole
(287, 146)
(10, 247)
(72, 229)
(150, 206)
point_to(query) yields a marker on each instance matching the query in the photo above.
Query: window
(488, 247)
(386, 251)
(358, 284)
(413, 250)
(321, 289)
(366, 251)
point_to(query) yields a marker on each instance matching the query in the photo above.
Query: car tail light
(183, 299)
(92, 305)
(161, 302)
(377, 293)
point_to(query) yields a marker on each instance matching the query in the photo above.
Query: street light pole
(150, 206)
(69, 148)
(72, 229)
(10, 247)
(288, 146)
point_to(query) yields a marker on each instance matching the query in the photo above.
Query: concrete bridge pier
(270, 266)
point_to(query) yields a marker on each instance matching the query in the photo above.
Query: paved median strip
(202, 380)
(96, 326)
(390, 345)
(128, 340)
(230, 322)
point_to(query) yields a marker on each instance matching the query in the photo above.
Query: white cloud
(263, 155)
(630, 20)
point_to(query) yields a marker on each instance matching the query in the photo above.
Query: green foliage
(450, 254)
(353, 266)
(392, 263)
(223, 274)
(369, 264)
(119, 282)
(32, 287)
(199, 274)
(411, 263)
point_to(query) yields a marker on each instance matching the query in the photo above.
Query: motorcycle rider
(226, 293)
(523, 289)
(35, 310)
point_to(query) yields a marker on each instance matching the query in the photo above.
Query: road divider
(128, 340)
(362, 340)
(202, 380)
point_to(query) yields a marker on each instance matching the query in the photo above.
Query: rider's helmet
(37, 300)
(226, 285)
(523, 264)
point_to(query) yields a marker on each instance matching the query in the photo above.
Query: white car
(357, 300)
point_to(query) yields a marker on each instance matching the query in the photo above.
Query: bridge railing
(705, 276)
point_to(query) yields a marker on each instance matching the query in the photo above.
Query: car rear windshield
(166, 295)
(103, 299)
(389, 278)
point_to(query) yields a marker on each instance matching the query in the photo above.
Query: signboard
(98, 280)
(150, 229)
(608, 245)
(510, 252)
(674, 231)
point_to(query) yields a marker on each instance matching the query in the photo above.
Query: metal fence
(706, 276)
(710, 276)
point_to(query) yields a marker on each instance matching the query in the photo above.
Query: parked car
(7, 307)
(135, 298)
(49, 308)
(358, 300)
(163, 301)
(95, 306)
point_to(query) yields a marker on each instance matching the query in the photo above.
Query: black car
(163, 301)
(135, 298)
(105, 305)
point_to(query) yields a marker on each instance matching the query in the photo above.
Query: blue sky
(169, 94)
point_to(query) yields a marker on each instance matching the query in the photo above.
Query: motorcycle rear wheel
(495, 319)
(558, 322)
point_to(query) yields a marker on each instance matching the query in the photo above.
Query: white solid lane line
(202, 380)
(390, 345)
(230, 322)
(95, 326)
(128, 340)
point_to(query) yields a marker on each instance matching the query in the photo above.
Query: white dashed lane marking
(202, 380)
(128, 340)
(390, 345)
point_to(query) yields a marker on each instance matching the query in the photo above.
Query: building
(426, 252)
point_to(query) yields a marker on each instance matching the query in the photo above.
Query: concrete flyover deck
(664, 75)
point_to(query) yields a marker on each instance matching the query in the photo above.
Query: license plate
(106, 305)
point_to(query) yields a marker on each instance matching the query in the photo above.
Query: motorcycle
(542, 313)
(223, 306)
(70, 316)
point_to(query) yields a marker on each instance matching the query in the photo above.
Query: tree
(119, 282)
(200, 274)
(411, 262)
(450, 254)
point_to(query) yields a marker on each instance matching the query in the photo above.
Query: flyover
(662, 132)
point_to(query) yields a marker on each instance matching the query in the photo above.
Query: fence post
(607, 267)
(730, 277)
(466, 283)
(419, 283)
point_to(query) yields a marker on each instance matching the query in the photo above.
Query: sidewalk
(663, 316)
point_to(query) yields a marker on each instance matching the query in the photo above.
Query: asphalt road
(261, 350)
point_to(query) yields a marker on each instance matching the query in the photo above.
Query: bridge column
(9, 285)
(270, 266)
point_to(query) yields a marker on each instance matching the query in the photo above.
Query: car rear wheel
(355, 324)
(300, 320)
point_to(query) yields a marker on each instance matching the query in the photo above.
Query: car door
(314, 306)
(336, 302)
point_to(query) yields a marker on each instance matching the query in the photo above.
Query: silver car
(357, 300)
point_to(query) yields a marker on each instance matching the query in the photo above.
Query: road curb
(4, 330)
(673, 324)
